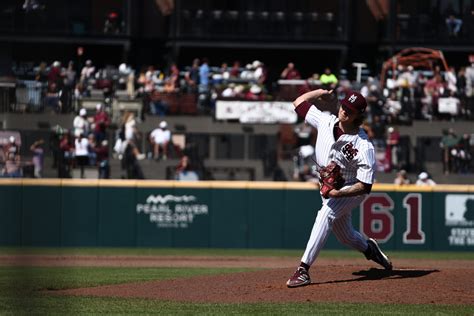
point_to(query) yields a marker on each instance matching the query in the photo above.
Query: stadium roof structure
(419, 57)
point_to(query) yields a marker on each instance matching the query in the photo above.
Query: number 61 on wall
(376, 218)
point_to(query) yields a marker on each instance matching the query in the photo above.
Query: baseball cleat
(375, 254)
(300, 278)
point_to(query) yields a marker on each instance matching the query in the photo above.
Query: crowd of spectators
(84, 146)
(456, 152)
(407, 94)
(424, 95)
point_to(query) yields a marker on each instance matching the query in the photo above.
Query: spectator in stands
(235, 70)
(130, 126)
(229, 91)
(103, 81)
(460, 155)
(434, 89)
(453, 25)
(470, 90)
(81, 152)
(425, 180)
(407, 81)
(150, 78)
(52, 98)
(91, 150)
(141, 80)
(247, 73)
(130, 161)
(401, 178)
(255, 93)
(79, 90)
(184, 170)
(126, 80)
(449, 141)
(130, 83)
(375, 103)
(127, 132)
(328, 79)
(11, 154)
(461, 83)
(192, 77)
(66, 156)
(315, 78)
(290, 72)
(81, 124)
(431, 92)
(38, 157)
(419, 95)
(68, 86)
(465, 153)
(378, 129)
(101, 123)
(204, 73)
(158, 106)
(259, 72)
(42, 73)
(11, 150)
(160, 139)
(222, 75)
(87, 75)
(102, 154)
(113, 23)
(55, 73)
(451, 80)
(32, 5)
(392, 108)
(393, 147)
(239, 91)
(172, 80)
(365, 88)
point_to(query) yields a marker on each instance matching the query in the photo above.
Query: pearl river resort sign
(172, 211)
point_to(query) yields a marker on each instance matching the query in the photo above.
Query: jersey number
(377, 220)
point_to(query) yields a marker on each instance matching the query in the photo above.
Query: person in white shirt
(159, 139)
(424, 180)
(81, 152)
(81, 124)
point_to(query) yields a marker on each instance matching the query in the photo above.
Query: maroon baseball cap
(354, 102)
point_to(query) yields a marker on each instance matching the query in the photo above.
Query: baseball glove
(330, 178)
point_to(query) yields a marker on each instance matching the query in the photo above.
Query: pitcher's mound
(343, 282)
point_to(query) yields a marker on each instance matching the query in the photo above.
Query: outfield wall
(145, 213)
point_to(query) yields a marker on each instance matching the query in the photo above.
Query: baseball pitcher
(346, 162)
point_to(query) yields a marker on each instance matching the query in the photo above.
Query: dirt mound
(412, 282)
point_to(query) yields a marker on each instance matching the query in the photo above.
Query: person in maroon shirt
(235, 70)
(290, 72)
(102, 121)
(393, 148)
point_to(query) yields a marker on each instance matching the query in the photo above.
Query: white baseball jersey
(355, 155)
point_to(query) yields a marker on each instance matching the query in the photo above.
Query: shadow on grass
(380, 274)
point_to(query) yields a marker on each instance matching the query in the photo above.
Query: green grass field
(21, 287)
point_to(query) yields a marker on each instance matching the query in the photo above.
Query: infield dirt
(333, 280)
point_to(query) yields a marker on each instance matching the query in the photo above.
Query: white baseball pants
(335, 215)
